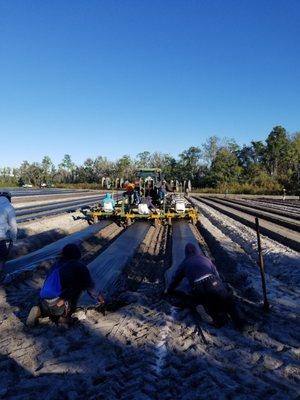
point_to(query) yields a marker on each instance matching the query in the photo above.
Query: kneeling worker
(8, 226)
(207, 287)
(67, 279)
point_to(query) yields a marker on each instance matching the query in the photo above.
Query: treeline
(219, 164)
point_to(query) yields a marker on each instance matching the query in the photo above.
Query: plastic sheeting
(42, 192)
(33, 208)
(49, 252)
(182, 234)
(107, 267)
(53, 210)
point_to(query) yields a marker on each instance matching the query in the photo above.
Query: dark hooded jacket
(74, 275)
(194, 266)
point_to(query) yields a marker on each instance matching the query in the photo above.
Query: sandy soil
(148, 349)
(280, 261)
(35, 234)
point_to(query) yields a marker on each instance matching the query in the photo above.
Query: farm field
(145, 347)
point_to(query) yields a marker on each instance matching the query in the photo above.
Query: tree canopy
(218, 163)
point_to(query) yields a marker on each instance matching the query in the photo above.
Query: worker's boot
(33, 316)
(205, 317)
(68, 321)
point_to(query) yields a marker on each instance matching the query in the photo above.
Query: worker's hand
(101, 299)
(60, 303)
(165, 292)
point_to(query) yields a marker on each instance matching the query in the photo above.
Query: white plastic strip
(107, 267)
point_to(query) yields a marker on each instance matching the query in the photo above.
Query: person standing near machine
(8, 227)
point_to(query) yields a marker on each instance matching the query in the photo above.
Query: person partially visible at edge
(67, 279)
(108, 203)
(207, 287)
(8, 226)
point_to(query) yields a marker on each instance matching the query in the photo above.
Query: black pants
(4, 250)
(51, 309)
(217, 300)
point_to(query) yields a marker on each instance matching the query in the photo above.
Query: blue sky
(115, 77)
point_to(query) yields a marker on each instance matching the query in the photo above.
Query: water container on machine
(179, 205)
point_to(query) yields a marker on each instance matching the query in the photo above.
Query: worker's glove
(101, 304)
(100, 299)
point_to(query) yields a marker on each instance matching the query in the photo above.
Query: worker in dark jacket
(207, 287)
(67, 279)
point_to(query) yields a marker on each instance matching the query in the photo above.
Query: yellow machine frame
(191, 215)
